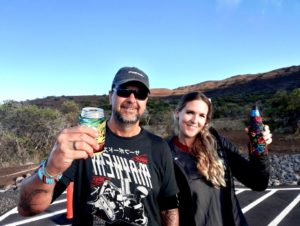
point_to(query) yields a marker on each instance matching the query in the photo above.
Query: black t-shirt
(124, 184)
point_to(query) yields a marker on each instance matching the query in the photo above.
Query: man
(131, 182)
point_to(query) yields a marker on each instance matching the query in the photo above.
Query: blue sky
(72, 47)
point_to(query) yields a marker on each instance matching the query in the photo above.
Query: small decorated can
(94, 117)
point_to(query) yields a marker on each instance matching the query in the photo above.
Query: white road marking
(15, 211)
(257, 201)
(32, 219)
(275, 222)
(11, 212)
(285, 212)
(240, 190)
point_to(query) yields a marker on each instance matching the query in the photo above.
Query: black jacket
(253, 173)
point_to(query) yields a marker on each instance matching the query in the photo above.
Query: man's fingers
(85, 141)
(73, 143)
(78, 154)
(80, 145)
(81, 130)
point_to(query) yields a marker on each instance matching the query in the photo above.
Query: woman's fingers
(267, 135)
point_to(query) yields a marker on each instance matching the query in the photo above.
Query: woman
(205, 164)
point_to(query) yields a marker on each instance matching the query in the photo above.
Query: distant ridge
(287, 78)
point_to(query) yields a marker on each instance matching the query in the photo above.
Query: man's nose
(132, 97)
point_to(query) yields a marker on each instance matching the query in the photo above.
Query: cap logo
(134, 72)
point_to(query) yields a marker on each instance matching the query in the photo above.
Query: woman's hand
(267, 135)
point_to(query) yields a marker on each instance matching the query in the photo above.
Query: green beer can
(94, 117)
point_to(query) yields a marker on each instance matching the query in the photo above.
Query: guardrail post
(69, 214)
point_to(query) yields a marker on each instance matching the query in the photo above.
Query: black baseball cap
(131, 74)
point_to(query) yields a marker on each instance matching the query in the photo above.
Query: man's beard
(121, 119)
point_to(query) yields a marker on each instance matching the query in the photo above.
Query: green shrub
(27, 131)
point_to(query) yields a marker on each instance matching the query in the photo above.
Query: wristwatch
(45, 176)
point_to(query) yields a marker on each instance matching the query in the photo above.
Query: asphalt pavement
(272, 207)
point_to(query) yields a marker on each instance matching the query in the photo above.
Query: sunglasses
(138, 94)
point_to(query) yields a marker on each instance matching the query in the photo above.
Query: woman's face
(192, 118)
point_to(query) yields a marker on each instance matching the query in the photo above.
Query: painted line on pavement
(257, 201)
(32, 219)
(240, 190)
(15, 210)
(285, 212)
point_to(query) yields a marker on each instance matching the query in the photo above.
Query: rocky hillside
(269, 82)
(264, 83)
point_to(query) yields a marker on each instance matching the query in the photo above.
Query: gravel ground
(8, 200)
(285, 171)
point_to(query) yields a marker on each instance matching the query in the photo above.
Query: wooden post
(69, 214)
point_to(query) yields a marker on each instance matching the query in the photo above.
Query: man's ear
(110, 97)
